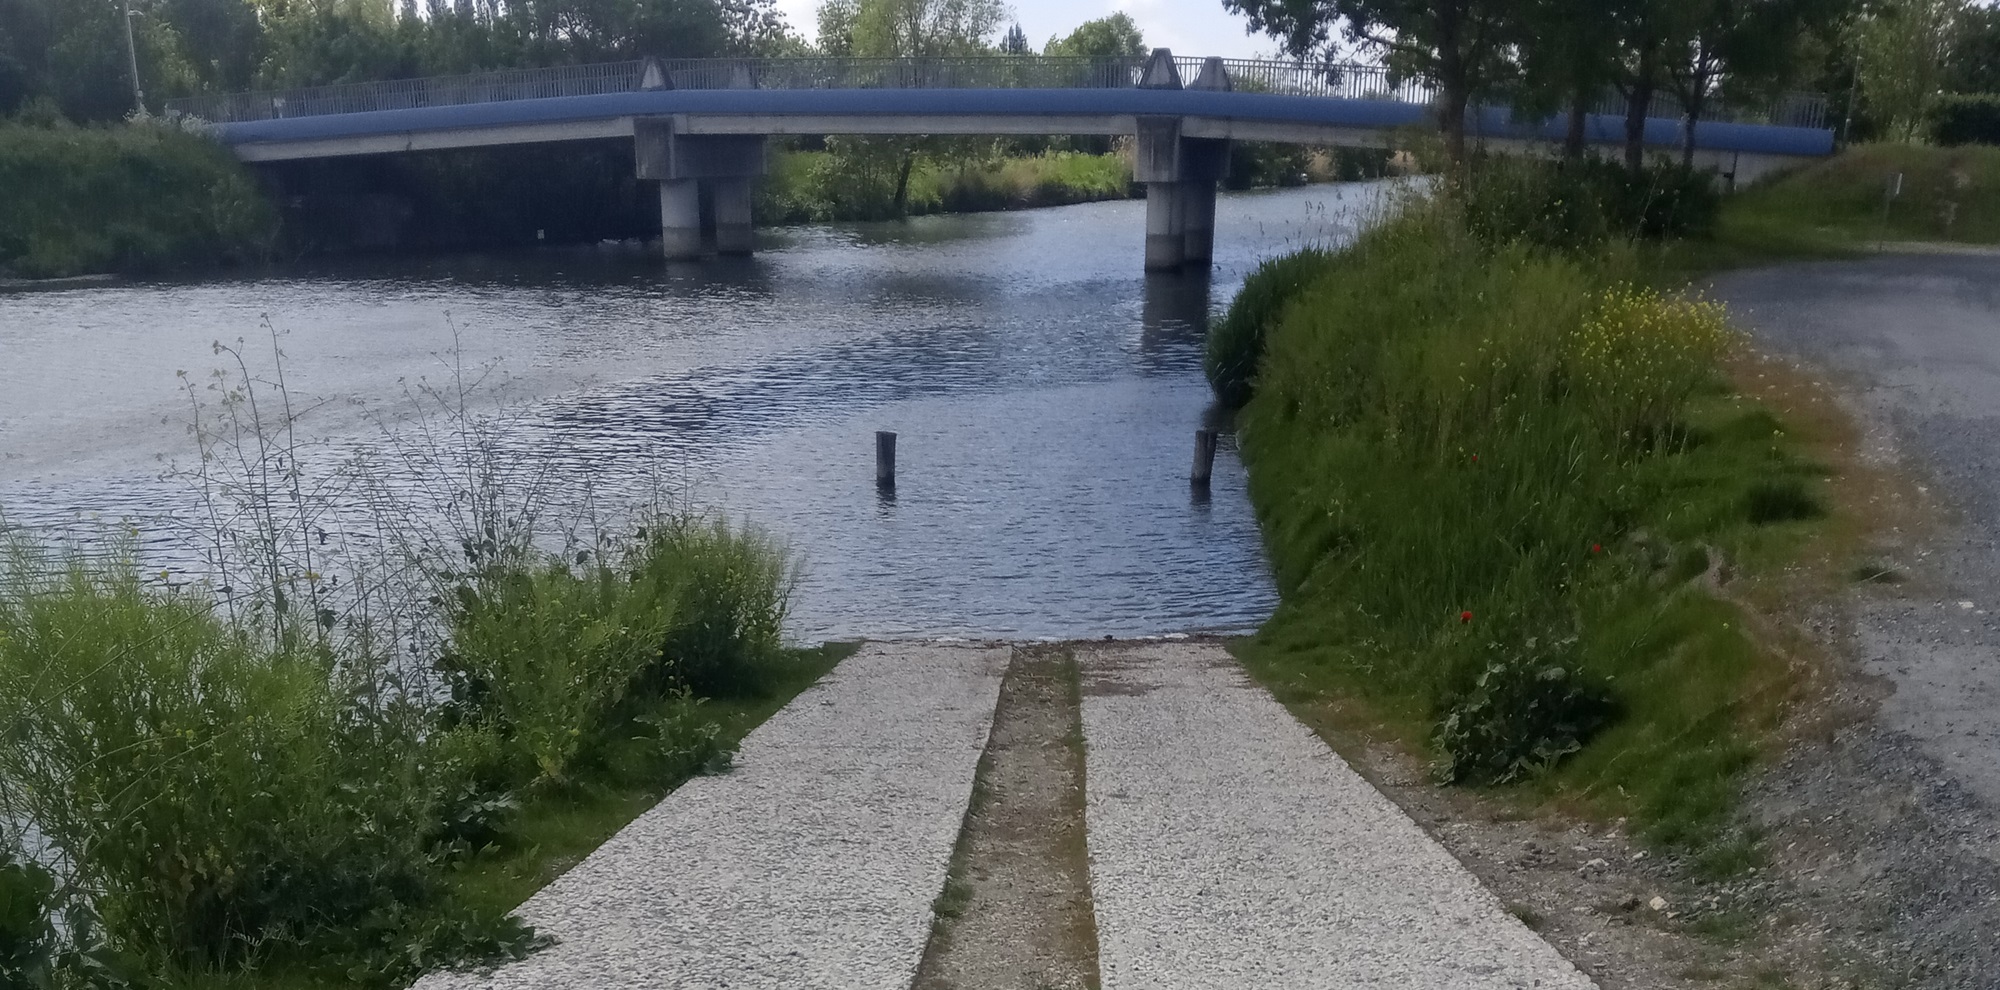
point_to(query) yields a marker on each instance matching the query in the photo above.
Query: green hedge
(131, 197)
(1965, 118)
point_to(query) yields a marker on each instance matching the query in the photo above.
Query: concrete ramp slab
(812, 864)
(1230, 849)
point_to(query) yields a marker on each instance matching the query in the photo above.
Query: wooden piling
(885, 459)
(1204, 458)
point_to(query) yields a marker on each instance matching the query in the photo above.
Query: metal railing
(1348, 82)
(1788, 110)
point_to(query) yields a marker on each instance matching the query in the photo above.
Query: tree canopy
(1542, 55)
(1107, 37)
(70, 54)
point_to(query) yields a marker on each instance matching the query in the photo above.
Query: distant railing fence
(1350, 82)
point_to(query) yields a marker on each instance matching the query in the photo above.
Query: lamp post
(132, 61)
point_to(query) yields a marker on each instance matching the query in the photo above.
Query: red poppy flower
(1475, 458)
(1465, 617)
(1597, 548)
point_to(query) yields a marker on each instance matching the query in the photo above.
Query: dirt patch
(1016, 911)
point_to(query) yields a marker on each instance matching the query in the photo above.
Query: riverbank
(1654, 633)
(133, 197)
(1866, 197)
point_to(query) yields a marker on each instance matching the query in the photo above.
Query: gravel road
(1917, 339)
(812, 864)
(1230, 849)
(1885, 836)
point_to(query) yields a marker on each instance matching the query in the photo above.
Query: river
(1045, 394)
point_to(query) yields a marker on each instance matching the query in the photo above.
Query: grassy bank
(860, 184)
(1843, 204)
(131, 197)
(231, 807)
(1499, 484)
(338, 756)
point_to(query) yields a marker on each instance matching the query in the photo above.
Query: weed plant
(1488, 476)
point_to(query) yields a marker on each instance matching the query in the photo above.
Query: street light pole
(132, 60)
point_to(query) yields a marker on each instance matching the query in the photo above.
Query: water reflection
(1045, 393)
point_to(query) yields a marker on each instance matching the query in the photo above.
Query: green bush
(543, 650)
(1236, 342)
(732, 587)
(1578, 205)
(123, 198)
(27, 936)
(210, 796)
(1522, 715)
(1965, 118)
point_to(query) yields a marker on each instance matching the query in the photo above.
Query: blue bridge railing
(1351, 82)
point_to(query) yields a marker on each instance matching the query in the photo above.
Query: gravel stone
(1230, 848)
(811, 864)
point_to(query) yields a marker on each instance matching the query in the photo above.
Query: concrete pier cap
(684, 164)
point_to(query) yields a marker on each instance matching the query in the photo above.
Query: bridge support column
(680, 219)
(1166, 227)
(1198, 205)
(1180, 176)
(683, 163)
(733, 232)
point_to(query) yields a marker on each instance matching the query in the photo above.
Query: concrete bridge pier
(684, 164)
(1180, 176)
(680, 219)
(733, 233)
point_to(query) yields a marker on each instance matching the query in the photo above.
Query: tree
(1902, 47)
(1974, 66)
(925, 28)
(1015, 42)
(1751, 46)
(1568, 58)
(1461, 45)
(906, 29)
(1107, 37)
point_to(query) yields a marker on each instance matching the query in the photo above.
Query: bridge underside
(691, 140)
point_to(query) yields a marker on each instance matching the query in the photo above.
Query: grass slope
(1842, 204)
(1498, 488)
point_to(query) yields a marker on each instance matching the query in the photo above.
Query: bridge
(702, 124)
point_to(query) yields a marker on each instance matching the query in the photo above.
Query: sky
(1189, 27)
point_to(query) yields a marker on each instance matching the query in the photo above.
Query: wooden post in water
(885, 459)
(1204, 458)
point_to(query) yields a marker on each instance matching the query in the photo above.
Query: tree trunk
(902, 198)
(1452, 80)
(1638, 106)
(1455, 103)
(1576, 141)
(1694, 108)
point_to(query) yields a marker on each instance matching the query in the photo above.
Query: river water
(1045, 394)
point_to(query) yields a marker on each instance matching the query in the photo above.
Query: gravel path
(1230, 848)
(812, 864)
(1886, 837)
(1919, 339)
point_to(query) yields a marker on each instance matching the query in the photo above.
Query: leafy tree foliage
(1015, 42)
(71, 53)
(1547, 55)
(1107, 37)
(1901, 51)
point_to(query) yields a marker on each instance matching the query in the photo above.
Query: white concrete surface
(812, 864)
(1230, 849)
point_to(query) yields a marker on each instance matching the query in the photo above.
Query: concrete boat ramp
(1228, 847)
